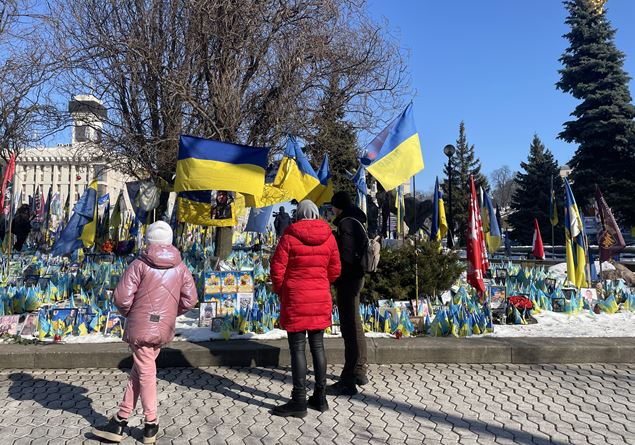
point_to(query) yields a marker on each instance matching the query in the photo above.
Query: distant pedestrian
(303, 267)
(281, 222)
(21, 226)
(154, 289)
(351, 241)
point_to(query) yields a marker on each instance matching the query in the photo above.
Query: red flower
(520, 302)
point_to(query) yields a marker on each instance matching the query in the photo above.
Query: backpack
(369, 257)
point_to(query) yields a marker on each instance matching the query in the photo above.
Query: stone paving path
(411, 404)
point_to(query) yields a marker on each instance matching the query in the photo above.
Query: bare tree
(27, 111)
(504, 183)
(248, 71)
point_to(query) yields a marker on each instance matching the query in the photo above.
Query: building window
(81, 133)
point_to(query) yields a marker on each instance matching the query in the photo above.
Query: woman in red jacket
(303, 267)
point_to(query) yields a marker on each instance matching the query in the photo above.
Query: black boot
(150, 431)
(318, 401)
(341, 389)
(361, 380)
(293, 408)
(112, 431)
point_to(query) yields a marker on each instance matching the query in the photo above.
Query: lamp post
(449, 151)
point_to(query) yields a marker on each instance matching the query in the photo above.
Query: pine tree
(532, 196)
(603, 127)
(337, 138)
(464, 163)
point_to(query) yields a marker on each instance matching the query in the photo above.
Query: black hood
(351, 212)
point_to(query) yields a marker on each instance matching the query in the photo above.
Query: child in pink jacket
(154, 289)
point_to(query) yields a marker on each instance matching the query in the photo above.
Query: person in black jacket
(21, 226)
(351, 239)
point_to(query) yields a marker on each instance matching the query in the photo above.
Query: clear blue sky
(493, 64)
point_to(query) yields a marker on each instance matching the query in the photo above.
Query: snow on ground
(585, 324)
(560, 270)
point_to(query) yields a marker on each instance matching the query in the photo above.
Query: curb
(527, 350)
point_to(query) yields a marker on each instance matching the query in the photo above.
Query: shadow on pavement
(54, 395)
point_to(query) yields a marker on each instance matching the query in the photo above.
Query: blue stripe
(323, 173)
(403, 129)
(210, 150)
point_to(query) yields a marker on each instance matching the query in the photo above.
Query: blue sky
(493, 64)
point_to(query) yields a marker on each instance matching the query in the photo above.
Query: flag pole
(414, 194)
(553, 247)
(10, 234)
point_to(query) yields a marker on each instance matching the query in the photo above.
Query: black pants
(297, 346)
(355, 355)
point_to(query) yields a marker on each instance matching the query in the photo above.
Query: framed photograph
(497, 296)
(405, 306)
(558, 304)
(226, 305)
(590, 295)
(114, 325)
(63, 320)
(501, 273)
(207, 312)
(9, 324)
(217, 324)
(569, 292)
(550, 284)
(29, 328)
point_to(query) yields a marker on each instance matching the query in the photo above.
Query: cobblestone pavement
(412, 404)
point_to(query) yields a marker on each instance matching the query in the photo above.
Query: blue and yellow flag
(553, 209)
(296, 178)
(439, 228)
(207, 208)
(491, 230)
(205, 164)
(574, 240)
(400, 155)
(361, 188)
(324, 191)
(82, 226)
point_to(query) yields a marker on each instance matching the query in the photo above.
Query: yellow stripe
(399, 165)
(443, 223)
(200, 214)
(295, 184)
(90, 230)
(197, 174)
(322, 194)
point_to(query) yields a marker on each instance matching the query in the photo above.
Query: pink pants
(141, 383)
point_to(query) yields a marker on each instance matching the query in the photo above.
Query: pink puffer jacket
(154, 289)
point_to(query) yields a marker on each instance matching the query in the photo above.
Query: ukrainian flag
(82, 226)
(491, 230)
(295, 177)
(574, 240)
(201, 208)
(323, 192)
(400, 155)
(439, 224)
(204, 164)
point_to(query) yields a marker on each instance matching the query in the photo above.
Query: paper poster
(405, 306)
(63, 320)
(9, 324)
(244, 301)
(229, 282)
(207, 312)
(213, 283)
(246, 283)
(114, 325)
(227, 304)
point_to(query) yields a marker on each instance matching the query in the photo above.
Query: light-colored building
(69, 168)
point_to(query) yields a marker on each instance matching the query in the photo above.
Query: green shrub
(395, 277)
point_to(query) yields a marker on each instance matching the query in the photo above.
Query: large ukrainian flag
(574, 240)
(324, 191)
(204, 164)
(399, 157)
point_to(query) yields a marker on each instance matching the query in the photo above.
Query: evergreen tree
(532, 196)
(337, 138)
(464, 163)
(603, 127)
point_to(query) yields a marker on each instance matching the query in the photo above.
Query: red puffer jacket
(154, 289)
(305, 264)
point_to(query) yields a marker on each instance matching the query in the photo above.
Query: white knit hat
(159, 232)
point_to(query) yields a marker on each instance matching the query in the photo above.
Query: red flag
(8, 177)
(610, 237)
(477, 263)
(539, 250)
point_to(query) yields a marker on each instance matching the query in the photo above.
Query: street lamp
(449, 151)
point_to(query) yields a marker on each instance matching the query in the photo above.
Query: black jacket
(351, 238)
